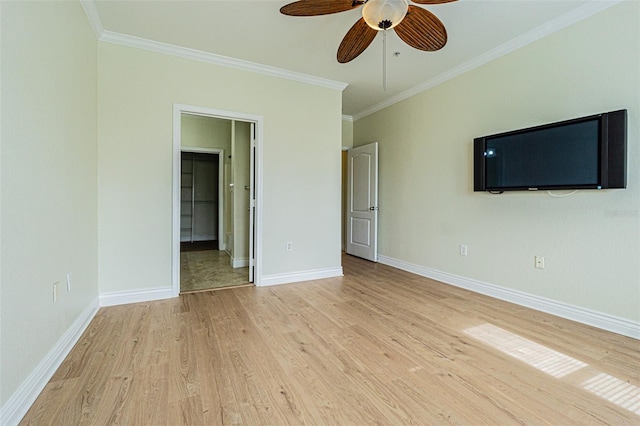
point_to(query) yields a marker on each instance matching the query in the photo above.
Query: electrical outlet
(463, 250)
(69, 282)
(289, 246)
(55, 291)
(539, 262)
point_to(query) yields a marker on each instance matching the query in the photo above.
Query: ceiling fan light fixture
(384, 14)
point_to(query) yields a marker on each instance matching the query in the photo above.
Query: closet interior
(199, 198)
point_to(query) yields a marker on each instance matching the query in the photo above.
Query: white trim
(347, 118)
(19, 403)
(202, 150)
(294, 277)
(225, 61)
(586, 316)
(252, 197)
(220, 153)
(135, 296)
(178, 110)
(544, 30)
(106, 36)
(93, 16)
(237, 262)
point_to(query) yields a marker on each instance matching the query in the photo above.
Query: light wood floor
(378, 346)
(209, 269)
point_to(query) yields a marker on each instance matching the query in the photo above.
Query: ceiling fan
(416, 26)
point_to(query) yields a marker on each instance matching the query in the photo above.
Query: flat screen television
(582, 153)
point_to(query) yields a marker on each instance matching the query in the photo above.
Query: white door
(252, 202)
(362, 202)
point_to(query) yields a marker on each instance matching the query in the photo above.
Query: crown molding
(347, 118)
(570, 18)
(103, 35)
(92, 15)
(225, 61)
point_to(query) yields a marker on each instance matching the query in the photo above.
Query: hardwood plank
(377, 346)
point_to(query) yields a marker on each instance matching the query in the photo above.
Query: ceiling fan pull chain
(384, 60)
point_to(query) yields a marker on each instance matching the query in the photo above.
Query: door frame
(220, 153)
(258, 120)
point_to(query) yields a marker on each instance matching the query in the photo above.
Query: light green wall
(205, 132)
(49, 180)
(302, 139)
(347, 134)
(591, 240)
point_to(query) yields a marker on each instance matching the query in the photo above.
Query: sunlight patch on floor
(538, 356)
(558, 365)
(615, 390)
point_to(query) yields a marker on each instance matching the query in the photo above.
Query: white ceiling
(255, 31)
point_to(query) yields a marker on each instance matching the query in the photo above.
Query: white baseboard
(239, 262)
(19, 403)
(294, 277)
(136, 296)
(590, 317)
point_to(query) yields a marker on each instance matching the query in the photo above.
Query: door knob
(373, 208)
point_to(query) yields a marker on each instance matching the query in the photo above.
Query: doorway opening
(216, 208)
(204, 262)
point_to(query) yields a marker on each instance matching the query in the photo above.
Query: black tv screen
(588, 152)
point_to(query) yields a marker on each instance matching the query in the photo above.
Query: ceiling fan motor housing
(384, 14)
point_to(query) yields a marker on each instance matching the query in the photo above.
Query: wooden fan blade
(432, 1)
(318, 7)
(357, 39)
(422, 29)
